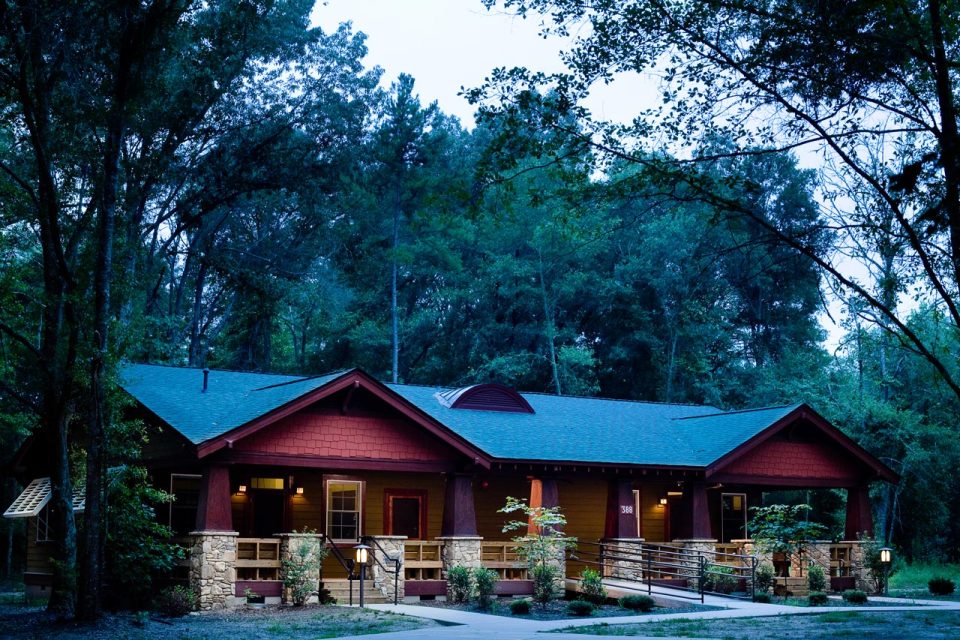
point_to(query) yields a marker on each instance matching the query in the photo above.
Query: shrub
(720, 579)
(460, 583)
(940, 586)
(855, 596)
(520, 607)
(580, 608)
(300, 571)
(816, 579)
(591, 587)
(761, 597)
(484, 580)
(544, 578)
(871, 560)
(176, 602)
(765, 577)
(817, 598)
(637, 603)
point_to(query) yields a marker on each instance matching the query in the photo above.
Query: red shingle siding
(794, 460)
(338, 436)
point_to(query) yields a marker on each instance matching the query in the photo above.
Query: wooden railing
(421, 560)
(258, 559)
(502, 557)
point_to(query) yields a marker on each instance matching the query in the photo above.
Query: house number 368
(626, 508)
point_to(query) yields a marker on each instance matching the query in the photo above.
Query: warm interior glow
(674, 494)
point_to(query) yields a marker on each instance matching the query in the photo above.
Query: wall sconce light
(299, 491)
(242, 488)
(663, 502)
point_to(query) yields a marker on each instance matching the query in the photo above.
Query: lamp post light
(886, 559)
(362, 554)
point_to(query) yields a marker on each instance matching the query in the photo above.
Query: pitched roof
(232, 398)
(562, 428)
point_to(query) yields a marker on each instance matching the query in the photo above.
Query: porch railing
(422, 560)
(258, 559)
(502, 557)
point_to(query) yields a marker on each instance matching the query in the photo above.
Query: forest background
(220, 185)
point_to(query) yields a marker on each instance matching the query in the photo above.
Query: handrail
(372, 542)
(347, 563)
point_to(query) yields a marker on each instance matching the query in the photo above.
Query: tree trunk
(551, 331)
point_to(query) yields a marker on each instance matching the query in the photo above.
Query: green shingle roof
(563, 428)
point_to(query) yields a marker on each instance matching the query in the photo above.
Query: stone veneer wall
(818, 552)
(695, 545)
(213, 575)
(392, 549)
(623, 558)
(290, 546)
(459, 550)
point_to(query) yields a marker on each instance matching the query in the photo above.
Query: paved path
(472, 626)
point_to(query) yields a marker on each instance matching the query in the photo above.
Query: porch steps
(340, 589)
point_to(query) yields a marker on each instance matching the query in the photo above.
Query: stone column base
(701, 546)
(623, 558)
(213, 574)
(393, 549)
(459, 550)
(301, 547)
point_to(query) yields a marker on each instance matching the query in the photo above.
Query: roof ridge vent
(485, 397)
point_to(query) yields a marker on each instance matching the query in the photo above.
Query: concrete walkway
(464, 625)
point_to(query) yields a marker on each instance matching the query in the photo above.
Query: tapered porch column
(543, 493)
(700, 525)
(214, 553)
(461, 542)
(859, 516)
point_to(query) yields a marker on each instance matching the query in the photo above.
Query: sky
(447, 45)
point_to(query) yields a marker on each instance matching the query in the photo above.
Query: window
(274, 484)
(733, 516)
(344, 498)
(185, 489)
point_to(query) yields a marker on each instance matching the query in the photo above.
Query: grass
(916, 625)
(910, 581)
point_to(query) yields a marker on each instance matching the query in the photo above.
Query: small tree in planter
(301, 570)
(543, 544)
(783, 529)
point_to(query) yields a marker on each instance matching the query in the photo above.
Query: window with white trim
(344, 506)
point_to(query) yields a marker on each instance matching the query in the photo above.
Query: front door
(267, 512)
(406, 513)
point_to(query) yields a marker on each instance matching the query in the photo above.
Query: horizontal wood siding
(38, 554)
(488, 499)
(652, 513)
(583, 501)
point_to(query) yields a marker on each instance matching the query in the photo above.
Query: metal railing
(697, 572)
(371, 542)
(349, 564)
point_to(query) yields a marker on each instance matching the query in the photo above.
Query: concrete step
(340, 589)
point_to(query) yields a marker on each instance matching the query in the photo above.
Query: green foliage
(138, 548)
(765, 577)
(854, 596)
(299, 571)
(783, 528)
(720, 578)
(817, 599)
(762, 597)
(485, 581)
(520, 607)
(591, 587)
(460, 583)
(580, 608)
(941, 586)
(543, 546)
(637, 603)
(176, 601)
(816, 578)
